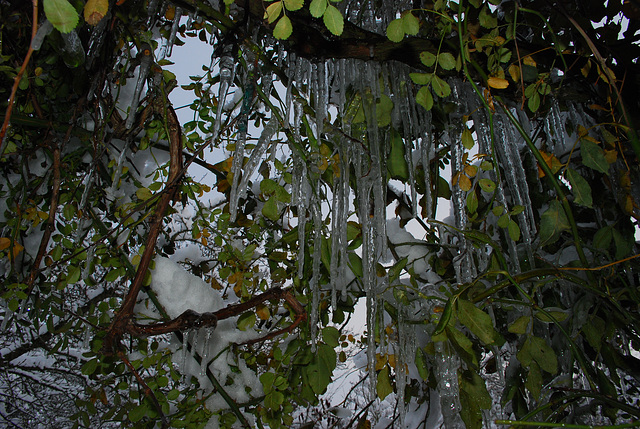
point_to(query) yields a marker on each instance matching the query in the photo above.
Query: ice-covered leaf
(463, 346)
(473, 398)
(270, 209)
(333, 20)
(536, 349)
(421, 363)
(283, 28)
(395, 30)
(317, 8)
(593, 156)
(410, 24)
(61, 14)
(397, 164)
(383, 110)
(552, 222)
(550, 316)
(534, 380)
(383, 386)
(477, 321)
(520, 325)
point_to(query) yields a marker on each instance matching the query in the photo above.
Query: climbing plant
(461, 176)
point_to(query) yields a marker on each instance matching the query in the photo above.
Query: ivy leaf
(383, 386)
(395, 30)
(593, 156)
(410, 24)
(580, 187)
(477, 321)
(317, 8)
(283, 28)
(552, 223)
(61, 14)
(446, 60)
(333, 20)
(424, 98)
(440, 87)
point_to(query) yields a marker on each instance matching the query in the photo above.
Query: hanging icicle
(146, 60)
(314, 284)
(227, 74)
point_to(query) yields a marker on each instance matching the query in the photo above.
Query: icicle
(314, 284)
(194, 343)
(204, 363)
(227, 72)
(404, 351)
(146, 59)
(241, 138)
(336, 238)
(45, 29)
(256, 155)
(119, 166)
(321, 86)
(408, 145)
(461, 262)
(185, 352)
(86, 272)
(167, 44)
(425, 152)
(74, 52)
(446, 370)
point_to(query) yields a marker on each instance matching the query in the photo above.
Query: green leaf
(74, 274)
(395, 30)
(270, 209)
(552, 222)
(503, 221)
(486, 18)
(246, 320)
(463, 346)
(514, 230)
(534, 380)
(273, 11)
(487, 185)
(89, 367)
(333, 20)
(421, 363)
(283, 28)
(62, 15)
(383, 386)
(397, 164)
(580, 187)
(549, 316)
(143, 194)
(520, 325)
(446, 316)
(534, 102)
(396, 269)
(593, 156)
(472, 202)
(624, 243)
(331, 336)
(421, 78)
(293, 4)
(317, 8)
(383, 110)
(477, 321)
(138, 413)
(473, 398)
(410, 24)
(440, 87)
(427, 58)
(355, 263)
(536, 349)
(446, 60)
(467, 139)
(424, 98)
(602, 238)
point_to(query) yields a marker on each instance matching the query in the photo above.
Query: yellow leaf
(471, 170)
(273, 11)
(464, 182)
(611, 156)
(262, 311)
(95, 10)
(381, 361)
(497, 82)
(4, 243)
(514, 72)
(529, 61)
(586, 69)
(170, 13)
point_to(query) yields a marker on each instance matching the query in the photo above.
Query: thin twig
(18, 78)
